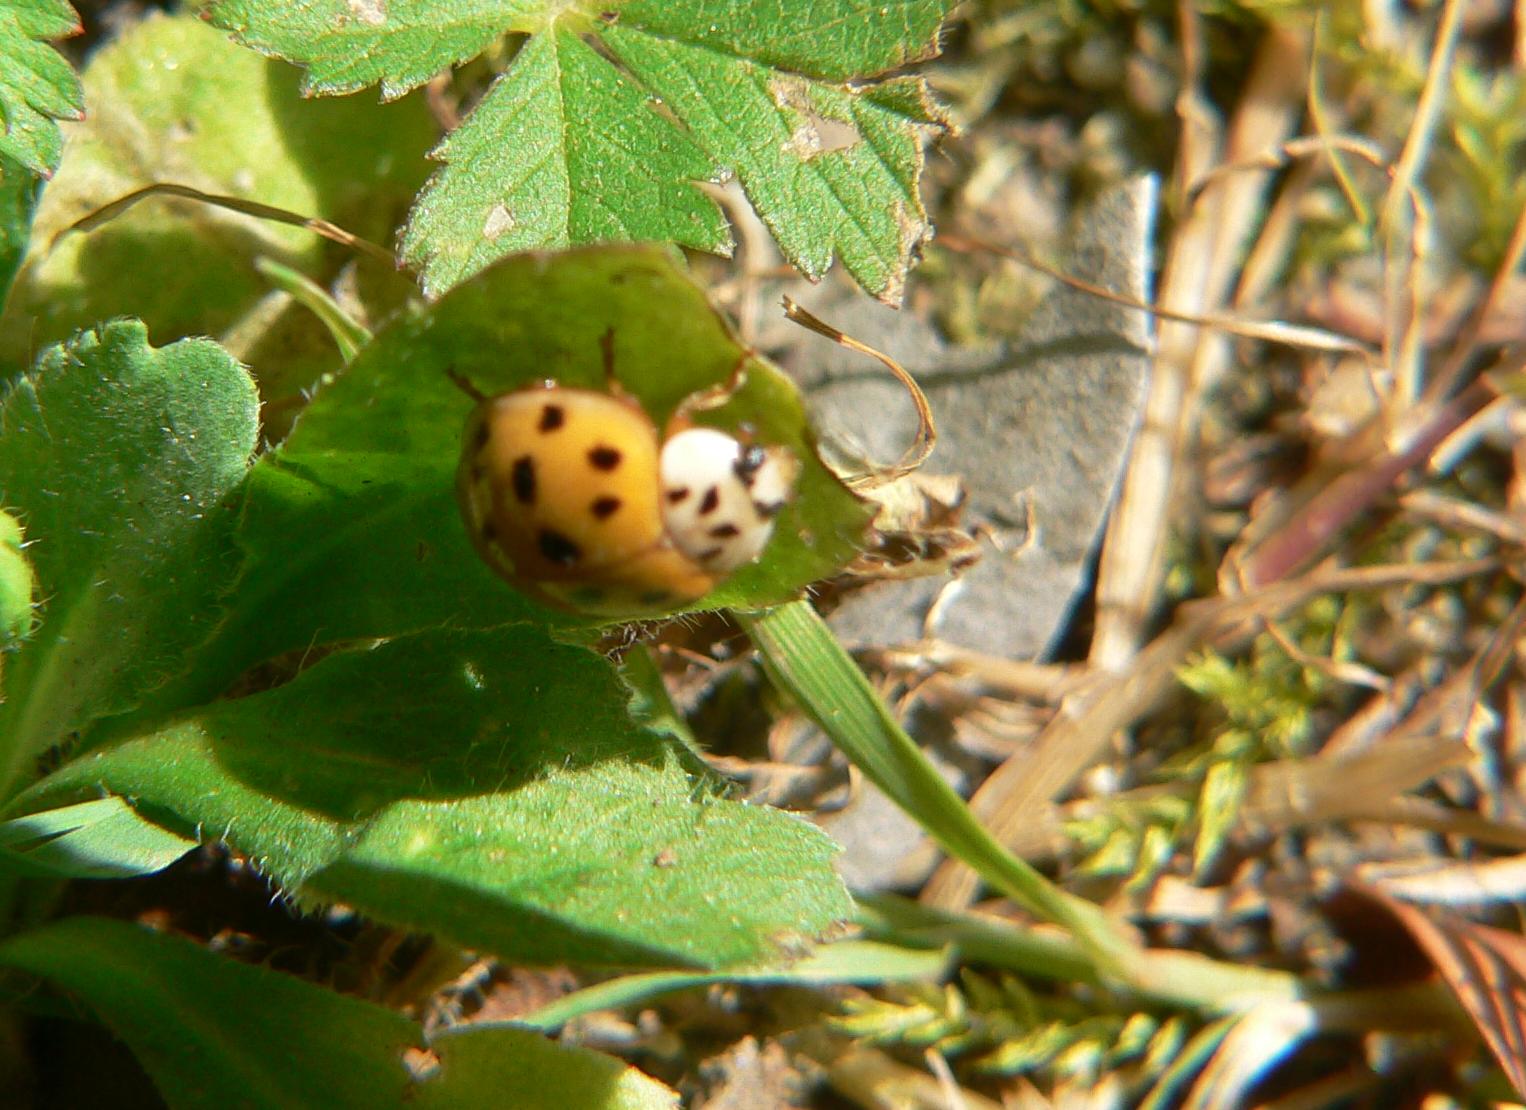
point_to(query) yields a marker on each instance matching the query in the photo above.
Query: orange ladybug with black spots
(573, 496)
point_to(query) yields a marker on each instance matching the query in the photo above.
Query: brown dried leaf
(1485, 968)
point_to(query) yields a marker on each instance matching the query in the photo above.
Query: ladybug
(572, 496)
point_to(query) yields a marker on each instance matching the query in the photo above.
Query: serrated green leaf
(117, 458)
(214, 1033)
(829, 170)
(352, 527)
(172, 100)
(833, 39)
(346, 45)
(566, 148)
(562, 150)
(349, 44)
(37, 86)
(101, 839)
(489, 787)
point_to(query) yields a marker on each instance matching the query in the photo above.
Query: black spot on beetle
(586, 595)
(768, 509)
(522, 477)
(482, 435)
(677, 495)
(552, 417)
(654, 597)
(604, 458)
(606, 507)
(725, 531)
(557, 548)
(711, 501)
(748, 463)
(489, 533)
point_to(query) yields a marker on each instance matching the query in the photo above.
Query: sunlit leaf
(576, 144)
(117, 459)
(37, 86)
(101, 839)
(489, 787)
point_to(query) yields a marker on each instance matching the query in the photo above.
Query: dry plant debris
(1295, 684)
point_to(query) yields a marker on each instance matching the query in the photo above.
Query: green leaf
(489, 787)
(213, 1033)
(352, 527)
(211, 115)
(570, 146)
(18, 585)
(835, 39)
(613, 865)
(852, 961)
(117, 458)
(505, 1066)
(562, 150)
(831, 170)
(345, 45)
(19, 189)
(803, 658)
(101, 839)
(37, 86)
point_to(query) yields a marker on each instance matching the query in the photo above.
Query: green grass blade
(804, 658)
(853, 961)
(349, 334)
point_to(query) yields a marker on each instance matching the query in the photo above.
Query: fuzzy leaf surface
(490, 787)
(570, 147)
(18, 585)
(345, 46)
(564, 149)
(117, 459)
(37, 86)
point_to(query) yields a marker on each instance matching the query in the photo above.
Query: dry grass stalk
(1198, 275)
(1021, 790)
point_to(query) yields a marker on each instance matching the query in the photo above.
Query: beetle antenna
(464, 384)
(607, 349)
